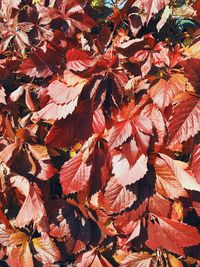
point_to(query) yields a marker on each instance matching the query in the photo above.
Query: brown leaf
(39, 151)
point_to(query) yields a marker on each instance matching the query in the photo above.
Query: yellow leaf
(193, 51)
(35, 2)
(18, 238)
(46, 250)
(120, 255)
(174, 261)
(39, 151)
(22, 255)
(72, 153)
(186, 11)
(178, 209)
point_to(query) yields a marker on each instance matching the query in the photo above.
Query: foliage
(99, 122)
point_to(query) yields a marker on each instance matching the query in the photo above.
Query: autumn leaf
(99, 133)
(167, 184)
(117, 197)
(152, 7)
(195, 165)
(174, 261)
(32, 209)
(186, 180)
(185, 121)
(164, 91)
(78, 60)
(40, 64)
(138, 260)
(129, 165)
(119, 133)
(74, 231)
(193, 51)
(46, 250)
(2, 96)
(171, 235)
(75, 174)
(92, 259)
(63, 98)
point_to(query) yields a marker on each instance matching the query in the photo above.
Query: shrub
(99, 121)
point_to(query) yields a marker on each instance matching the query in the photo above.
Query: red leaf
(40, 64)
(167, 183)
(67, 132)
(125, 223)
(151, 7)
(91, 258)
(46, 170)
(171, 235)
(139, 56)
(185, 121)
(32, 208)
(63, 99)
(20, 256)
(155, 115)
(3, 218)
(136, 231)
(78, 60)
(164, 91)
(5, 233)
(165, 15)
(85, 259)
(159, 205)
(130, 165)
(186, 180)
(52, 111)
(117, 198)
(69, 223)
(29, 101)
(60, 129)
(146, 67)
(75, 174)
(119, 133)
(15, 95)
(98, 124)
(7, 153)
(64, 92)
(192, 70)
(39, 151)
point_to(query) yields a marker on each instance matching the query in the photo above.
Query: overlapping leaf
(138, 260)
(99, 125)
(172, 235)
(32, 209)
(63, 98)
(117, 197)
(129, 165)
(185, 121)
(75, 174)
(164, 91)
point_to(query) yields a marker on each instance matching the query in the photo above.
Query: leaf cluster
(99, 133)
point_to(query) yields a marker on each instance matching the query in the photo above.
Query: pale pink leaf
(117, 197)
(75, 174)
